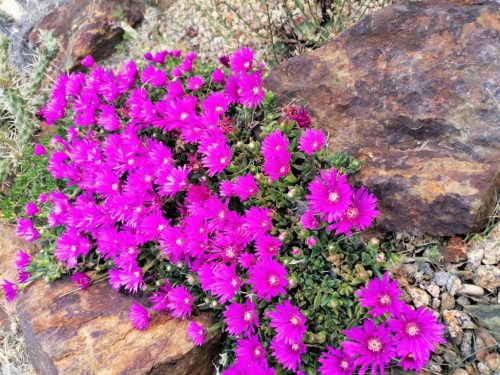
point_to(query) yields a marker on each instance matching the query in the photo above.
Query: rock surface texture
(86, 333)
(413, 91)
(86, 27)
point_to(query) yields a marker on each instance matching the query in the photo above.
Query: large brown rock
(86, 333)
(88, 27)
(413, 91)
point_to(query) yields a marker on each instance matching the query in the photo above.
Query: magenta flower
(274, 143)
(26, 230)
(258, 221)
(267, 246)
(268, 279)
(196, 332)
(359, 214)
(218, 76)
(69, 246)
(9, 290)
(369, 346)
(139, 316)
(251, 91)
(131, 278)
(88, 62)
(335, 362)
(173, 181)
(241, 60)
(195, 83)
(225, 283)
(242, 368)
(330, 195)
(159, 299)
(309, 221)
(250, 350)
(180, 302)
(217, 158)
(298, 114)
(22, 260)
(288, 322)
(381, 296)
(288, 354)
(216, 103)
(312, 140)
(277, 166)
(241, 318)
(409, 363)
(311, 241)
(245, 187)
(226, 188)
(108, 119)
(39, 150)
(81, 279)
(416, 332)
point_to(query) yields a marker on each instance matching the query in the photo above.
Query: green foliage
(19, 101)
(32, 180)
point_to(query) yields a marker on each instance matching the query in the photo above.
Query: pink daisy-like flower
(131, 278)
(359, 214)
(26, 230)
(195, 83)
(298, 114)
(81, 279)
(39, 150)
(241, 60)
(250, 350)
(335, 362)
(226, 282)
(268, 279)
(196, 332)
(277, 166)
(258, 221)
(417, 332)
(288, 354)
(309, 221)
(139, 316)
(69, 246)
(410, 363)
(22, 260)
(242, 368)
(217, 158)
(381, 296)
(245, 187)
(267, 246)
(216, 103)
(180, 302)
(312, 140)
(159, 299)
(173, 181)
(288, 322)
(370, 346)
(9, 290)
(330, 195)
(88, 62)
(218, 76)
(251, 91)
(246, 260)
(274, 143)
(226, 188)
(241, 318)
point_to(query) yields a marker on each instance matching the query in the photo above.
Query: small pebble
(453, 284)
(463, 301)
(466, 346)
(447, 301)
(493, 361)
(436, 302)
(441, 278)
(471, 290)
(419, 296)
(459, 371)
(483, 368)
(433, 290)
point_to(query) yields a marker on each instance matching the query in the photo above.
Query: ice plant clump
(191, 186)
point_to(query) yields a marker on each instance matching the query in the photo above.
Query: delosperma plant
(190, 185)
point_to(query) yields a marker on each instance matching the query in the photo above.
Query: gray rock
(483, 368)
(453, 284)
(475, 254)
(456, 321)
(459, 371)
(466, 346)
(441, 278)
(488, 316)
(463, 301)
(436, 302)
(433, 290)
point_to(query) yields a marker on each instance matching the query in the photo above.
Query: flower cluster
(184, 186)
(408, 336)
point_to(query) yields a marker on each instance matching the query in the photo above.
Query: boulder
(412, 90)
(85, 27)
(89, 333)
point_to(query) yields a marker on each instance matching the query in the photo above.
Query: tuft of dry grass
(13, 357)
